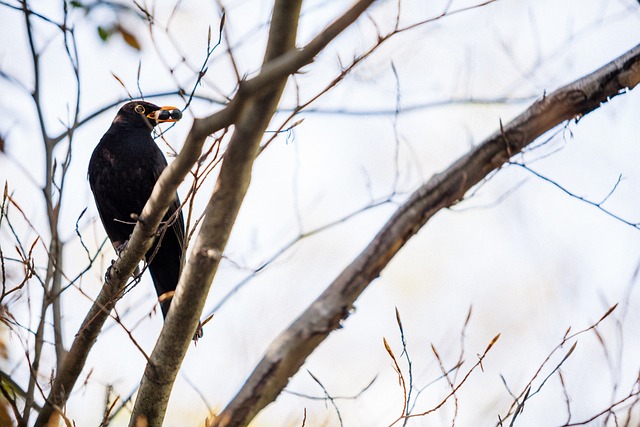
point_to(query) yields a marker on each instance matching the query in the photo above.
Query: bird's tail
(165, 265)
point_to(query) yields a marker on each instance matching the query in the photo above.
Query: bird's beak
(166, 114)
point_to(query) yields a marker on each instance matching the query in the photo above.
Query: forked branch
(288, 352)
(257, 98)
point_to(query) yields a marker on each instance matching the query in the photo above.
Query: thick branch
(288, 352)
(291, 61)
(139, 243)
(221, 212)
(223, 207)
(154, 210)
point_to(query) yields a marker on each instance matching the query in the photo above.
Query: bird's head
(146, 114)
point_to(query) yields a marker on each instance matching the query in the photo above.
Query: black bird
(123, 169)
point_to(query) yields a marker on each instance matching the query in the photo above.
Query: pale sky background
(531, 260)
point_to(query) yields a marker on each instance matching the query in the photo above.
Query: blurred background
(525, 255)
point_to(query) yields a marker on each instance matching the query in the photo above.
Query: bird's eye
(139, 109)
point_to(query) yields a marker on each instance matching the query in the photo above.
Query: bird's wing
(177, 226)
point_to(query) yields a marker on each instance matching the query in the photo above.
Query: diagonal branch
(123, 268)
(220, 214)
(287, 353)
(222, 209)
(251, 110)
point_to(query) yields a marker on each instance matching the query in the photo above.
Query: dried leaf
(608, 312)
(397, 312)
(433, 348)
(493, 341)
(119, 80)
(222, 20)
(573, 347)
(129, 38)
(296, 124)
(387, 347)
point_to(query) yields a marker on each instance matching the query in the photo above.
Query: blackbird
(123, 170)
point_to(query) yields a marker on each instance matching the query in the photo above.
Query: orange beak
(166, 114)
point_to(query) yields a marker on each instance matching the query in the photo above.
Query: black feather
(123, 170)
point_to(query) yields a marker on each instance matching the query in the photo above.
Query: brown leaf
(608, 312)
(493, 341)
(129, 38)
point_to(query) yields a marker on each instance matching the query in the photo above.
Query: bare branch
(240, 108)
(597, 205)
(519, 401)
(233, 181)
(288, 352)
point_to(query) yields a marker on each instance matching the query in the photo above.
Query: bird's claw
(107, 274)
(121, 247)
(200, 329)
(135, 275)
(199, 332)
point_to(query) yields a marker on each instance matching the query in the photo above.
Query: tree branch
(223, 207)
(294, 59)
(251, 115)
(221, 212)
(287, 353)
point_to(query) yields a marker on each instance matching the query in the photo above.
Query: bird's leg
(199, 333)
(119, 248)
(200, 329)
(107, 274)
(135, 275)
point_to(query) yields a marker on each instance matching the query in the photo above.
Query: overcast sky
(528, 258)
